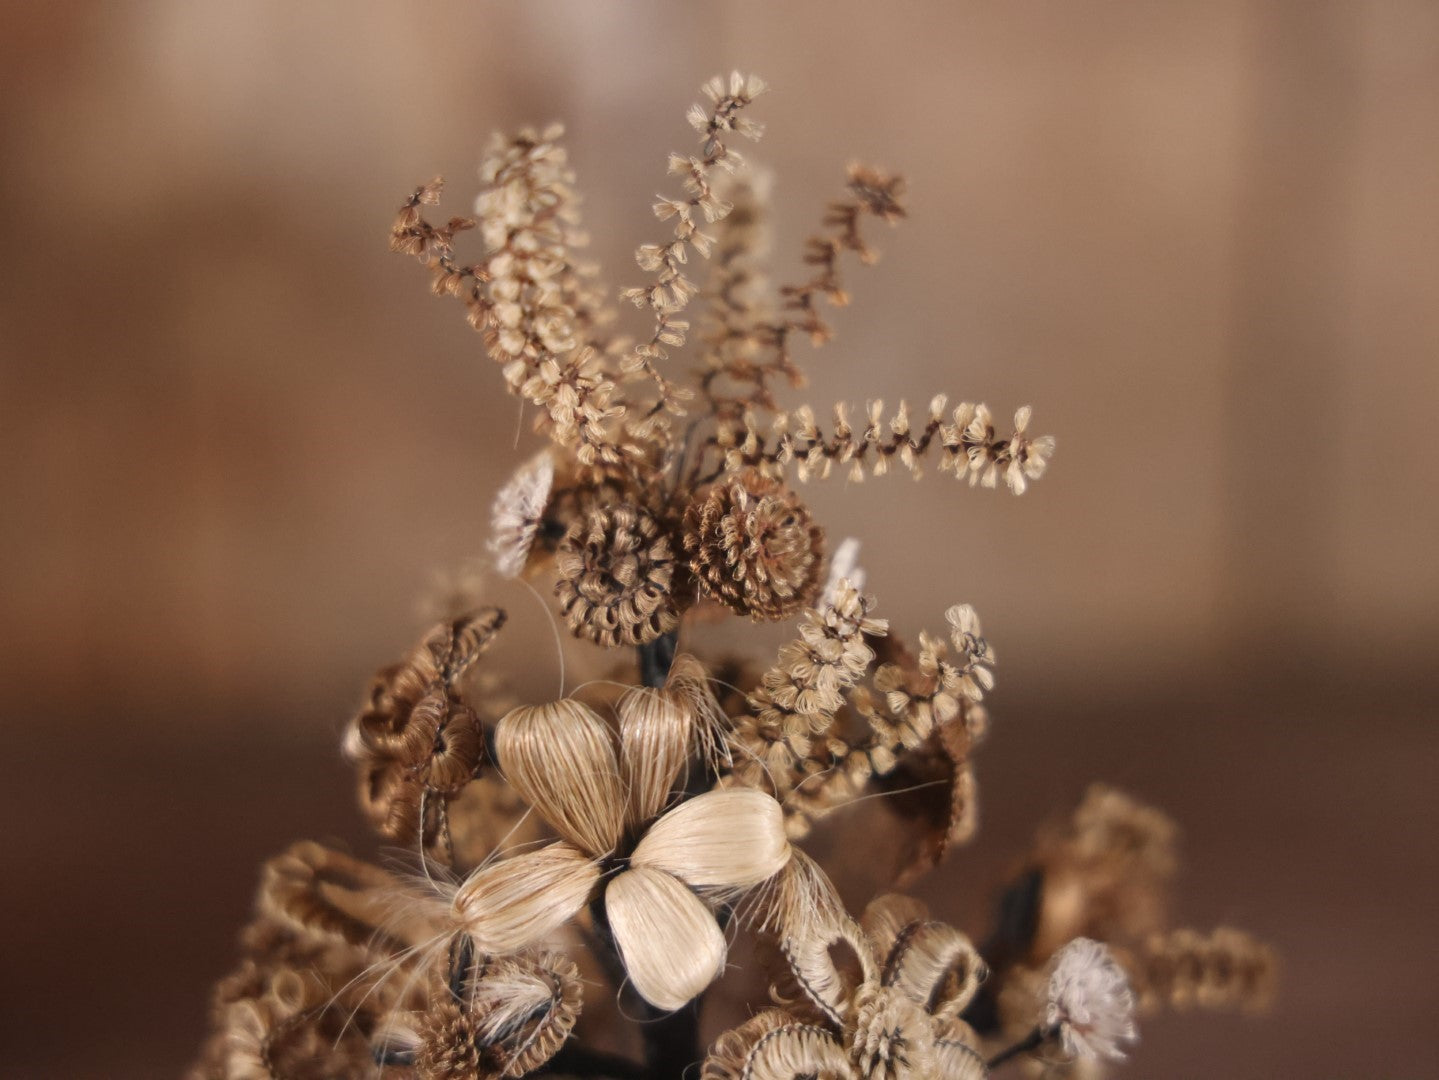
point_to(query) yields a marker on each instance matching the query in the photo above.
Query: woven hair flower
(518, 510)
(1018, 459)
(417, 742)
(485, 1021)
(1089, 1003)
(753, 547)
(657, 871)
(1087, 1009)
(665, 484)
(901, 1021)
(617, 576)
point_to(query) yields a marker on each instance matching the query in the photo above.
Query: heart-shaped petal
(560, 757)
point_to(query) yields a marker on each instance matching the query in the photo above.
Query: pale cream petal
(729, 839)
(671, 946)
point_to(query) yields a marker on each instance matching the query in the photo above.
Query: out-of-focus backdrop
(240, 439)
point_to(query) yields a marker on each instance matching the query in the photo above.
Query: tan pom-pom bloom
(753, 547)
(447, 1047)
(510, 1021)
(617, 576)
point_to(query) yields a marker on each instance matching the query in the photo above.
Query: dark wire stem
(671, 1040)
(1031, 1042)
(655, 659)
(1017, 921)
(462, 962)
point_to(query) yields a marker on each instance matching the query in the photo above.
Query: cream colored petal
(730, 839)
(560, 757)
(671, 946)
(518, 901)
(689, 681)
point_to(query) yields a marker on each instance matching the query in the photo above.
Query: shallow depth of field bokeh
(240, 439)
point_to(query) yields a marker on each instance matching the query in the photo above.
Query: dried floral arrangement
(604, 849)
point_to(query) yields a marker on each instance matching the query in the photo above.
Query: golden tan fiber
(518, 901)
(774, 748)
(738, 313)
(511, 1020)
(677, 789)
(800, 694)
(560, 757)
(1107, 872)
(892, 1038)
(671, 290)
(689, 682)
(657, 738)
(751, 353)
(489, 819)
(968, 443)
(537, 311)
(933, 789)
(802, 902)
(1224, 969)
(325, 893)
(416, 736)
(956, 1051)
(447, 1048)
(772, 1045)
(815, 971)
(617, 576)
(932, 963)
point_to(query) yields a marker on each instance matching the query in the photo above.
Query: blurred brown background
(239, 439)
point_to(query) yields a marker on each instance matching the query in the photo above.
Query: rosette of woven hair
(896, 1016)
(417, 742)
(654, 868)
(488, 1019)
(318, 973)
(618, 579)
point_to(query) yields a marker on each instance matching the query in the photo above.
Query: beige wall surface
(238, 440)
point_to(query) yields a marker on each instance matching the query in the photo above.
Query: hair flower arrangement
(559, 848)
